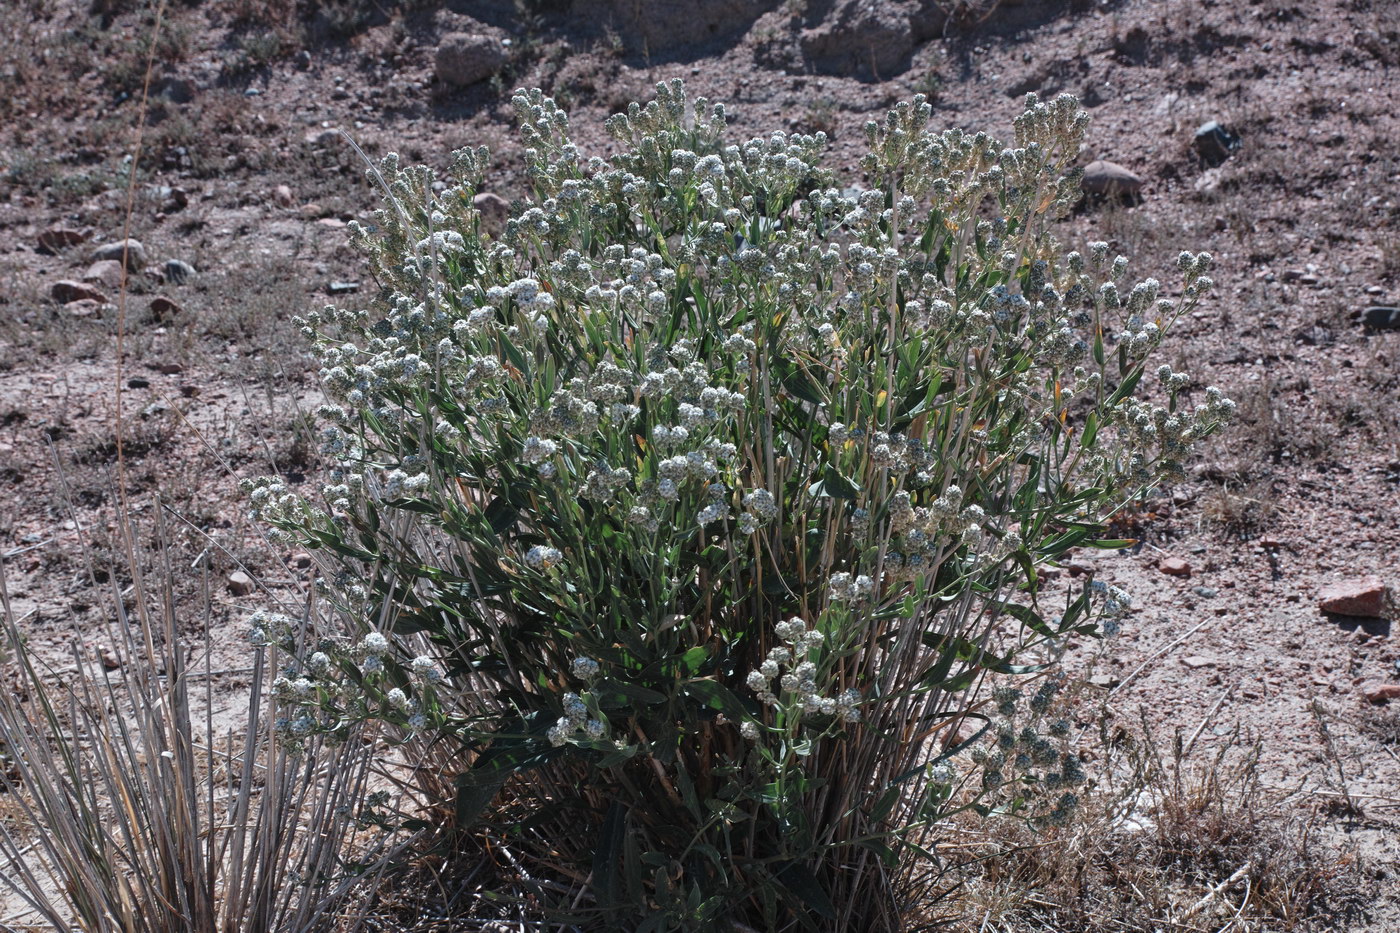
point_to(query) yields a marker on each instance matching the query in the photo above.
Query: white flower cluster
(577, 723)
(790, 666)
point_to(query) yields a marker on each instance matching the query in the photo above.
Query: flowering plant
(695, 505)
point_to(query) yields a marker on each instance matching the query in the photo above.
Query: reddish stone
(1174, 566)
(1366, 597)
(164, 308)
(58, 238)
(1380, 693)
(66, 292)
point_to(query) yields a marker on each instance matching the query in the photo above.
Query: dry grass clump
(1175, 839)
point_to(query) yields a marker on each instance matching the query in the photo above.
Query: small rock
(335, 223)
(189, 390)
(301, 560)
(176, 90)
(283, 196)
(177, 271)
(1214, 143)
(343, 288)
(303, 60)
(132, 250)
(110, 660)
(58, 238)
(67, 292)
(1376, 692)
(1197, 661)
(1109, 179)
(164, 309)
(105, 272)
(1381, 317)
(239, 583)
(170, 369)
(1365, 598)
(1104, 681)
(1205, 592)
(494, 211)
(84, 308)
(138, 382)
(1374, 290)
(464, 58)
(1174, 566)
(323, 138)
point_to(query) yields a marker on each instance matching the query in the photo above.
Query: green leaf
(611, 690)
(1091, 430)
(717, 696)
(796, 380)
(801, 882)
(833, 485)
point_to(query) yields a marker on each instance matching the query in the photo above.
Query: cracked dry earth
(246, 181)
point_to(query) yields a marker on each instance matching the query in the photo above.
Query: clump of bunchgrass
(127, 814)
(694, 507)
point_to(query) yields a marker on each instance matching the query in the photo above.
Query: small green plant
(697, 504)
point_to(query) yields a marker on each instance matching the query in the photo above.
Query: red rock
(1366, 597)
(67, 292)
(58, 238)
(164, 308)
(1174, 566)
(1380, 693)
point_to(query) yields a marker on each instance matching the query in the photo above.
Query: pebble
(1197, 661)
(177, 271)
(1104, 681)
(189, 391)
(138, 382)
(1205, 592)
(1105, 178)
(239, 583)
(1365, 598)
(57, 238)
(1174, 566)
(1381, 317)
(282, 194)
(343, 288)
(133, 250)
(66, 292)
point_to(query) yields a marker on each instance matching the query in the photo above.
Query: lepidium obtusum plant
(695, 507)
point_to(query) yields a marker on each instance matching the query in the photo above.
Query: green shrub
(703, 499)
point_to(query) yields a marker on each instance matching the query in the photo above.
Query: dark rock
(176, 90)
(164, 309)
(177, 271)
(138, 382)
(464, 58)
(667, 26)
(1381, 317)
(860, 39)
(1214, 143)
(343, 288)
(67, 292)
(1109, 179)
(131, 251)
